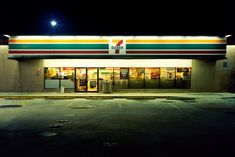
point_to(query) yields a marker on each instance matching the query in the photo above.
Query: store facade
(83, 63)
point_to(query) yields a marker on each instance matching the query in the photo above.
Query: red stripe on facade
(176, 52)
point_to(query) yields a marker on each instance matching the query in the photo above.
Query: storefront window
(51, 77)
(105, 74)
(121, 76)
(183, 77)
(167, 77)
(152, 73)
(183, 73)
(152, 77)
(57, 77)
(67, 77)
(136, 78)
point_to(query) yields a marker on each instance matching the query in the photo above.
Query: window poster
(154, 73)
(163, 73)
(123, 73)
(168, 73)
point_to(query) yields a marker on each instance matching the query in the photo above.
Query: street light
(53, 23)
(228, 36)
(6, 35)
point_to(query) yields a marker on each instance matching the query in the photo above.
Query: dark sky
(122, 17)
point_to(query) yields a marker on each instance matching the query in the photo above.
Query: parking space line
(174, 106)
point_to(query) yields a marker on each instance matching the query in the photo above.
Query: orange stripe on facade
(174, 41)
(116, 40)
(58, 41)
(130, 41)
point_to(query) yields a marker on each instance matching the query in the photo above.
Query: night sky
(87, 17)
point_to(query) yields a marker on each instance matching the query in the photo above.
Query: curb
(86, 97)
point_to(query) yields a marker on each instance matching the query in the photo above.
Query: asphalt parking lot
(203, 125)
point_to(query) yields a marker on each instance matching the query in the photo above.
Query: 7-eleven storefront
(82, 63)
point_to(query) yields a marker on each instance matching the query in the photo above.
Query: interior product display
(92, 84)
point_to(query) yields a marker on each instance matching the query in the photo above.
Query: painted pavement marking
(174, 106)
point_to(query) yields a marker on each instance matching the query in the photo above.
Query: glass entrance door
(92, 79)
(86, 80)
(81, 80)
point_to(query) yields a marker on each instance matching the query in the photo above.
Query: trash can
(62, 89)
(107, 88)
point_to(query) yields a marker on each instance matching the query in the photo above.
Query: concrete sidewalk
(95, 95)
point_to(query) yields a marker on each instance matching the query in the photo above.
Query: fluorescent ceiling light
(226, 36)
(5, 35)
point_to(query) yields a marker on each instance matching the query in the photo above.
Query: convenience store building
(82, 63)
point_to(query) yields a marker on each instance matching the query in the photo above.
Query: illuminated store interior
(88, 75)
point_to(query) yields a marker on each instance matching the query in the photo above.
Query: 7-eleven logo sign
(117, 46)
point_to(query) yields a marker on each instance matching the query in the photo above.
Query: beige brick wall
(20, 75)
(9, 72)
(211, 75)
(224, 75)
(31, 74)
(203, 75)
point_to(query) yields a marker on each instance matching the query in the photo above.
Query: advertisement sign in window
(168, 73)
(124, 73)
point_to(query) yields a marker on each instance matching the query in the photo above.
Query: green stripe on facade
(175, 46)
(128, 46)
(59, 46)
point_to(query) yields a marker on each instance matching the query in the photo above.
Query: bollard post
(62, 89)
